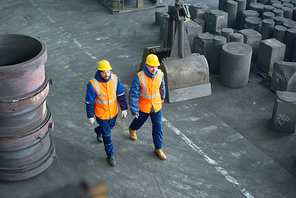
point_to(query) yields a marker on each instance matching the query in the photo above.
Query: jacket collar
(99, 78)
(147, 72)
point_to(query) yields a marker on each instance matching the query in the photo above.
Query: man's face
(152, 70)
(105, 74)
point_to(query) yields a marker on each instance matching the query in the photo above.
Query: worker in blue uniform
(145, 99)
(103, 92)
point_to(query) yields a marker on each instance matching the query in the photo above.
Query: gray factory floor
(220, 145)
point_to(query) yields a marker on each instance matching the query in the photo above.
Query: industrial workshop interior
(222, 121)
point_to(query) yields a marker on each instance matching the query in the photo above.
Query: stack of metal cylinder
(26, 148)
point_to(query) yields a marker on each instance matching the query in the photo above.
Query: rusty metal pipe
(26, 148)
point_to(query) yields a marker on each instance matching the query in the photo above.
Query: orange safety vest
(149, 94)
(105, 106)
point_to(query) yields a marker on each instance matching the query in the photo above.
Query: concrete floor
(216, 146)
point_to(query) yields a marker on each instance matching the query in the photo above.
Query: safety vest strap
(142, 76)
(99, 92)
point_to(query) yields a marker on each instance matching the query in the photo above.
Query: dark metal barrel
(26, 148)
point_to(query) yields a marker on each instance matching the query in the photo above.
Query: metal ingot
(235, 64)
(26, 148)
(186, 78)
(283, 76)
(283, 116)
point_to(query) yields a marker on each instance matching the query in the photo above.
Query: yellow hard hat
(152, 60)
(104, 65)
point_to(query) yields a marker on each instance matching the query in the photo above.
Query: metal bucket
(26, 148)
(186, 78)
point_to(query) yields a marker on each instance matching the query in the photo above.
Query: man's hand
(92, 120)
(136, 116)
(123, 113)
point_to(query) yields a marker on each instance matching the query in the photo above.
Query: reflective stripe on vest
(99, 92)
(105, 106)
(149, 93)
(142, 75)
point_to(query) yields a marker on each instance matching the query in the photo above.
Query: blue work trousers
(104, 129)
(157, 133)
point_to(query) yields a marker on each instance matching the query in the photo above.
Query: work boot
(99, 138)
(111, 161)
(133, 134)
(160, 154)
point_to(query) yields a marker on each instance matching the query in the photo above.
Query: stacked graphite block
(266, 27)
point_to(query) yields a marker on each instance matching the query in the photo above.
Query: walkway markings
(221, 170)
(62, 29)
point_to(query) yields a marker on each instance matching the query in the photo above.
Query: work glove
(92, 120)
(136, 115)
(123, 113)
